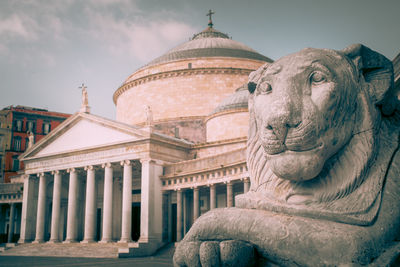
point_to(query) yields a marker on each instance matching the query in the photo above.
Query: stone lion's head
(315, 118)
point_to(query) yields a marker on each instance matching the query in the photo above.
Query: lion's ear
(255, 76)
(377, 71)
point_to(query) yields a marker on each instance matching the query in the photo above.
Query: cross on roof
(210, 13)
(83, 87)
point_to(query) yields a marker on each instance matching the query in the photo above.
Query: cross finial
(210, 13)
(83, 87)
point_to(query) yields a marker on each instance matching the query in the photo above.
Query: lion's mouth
(303, 138)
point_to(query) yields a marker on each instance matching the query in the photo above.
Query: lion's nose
(280, 118)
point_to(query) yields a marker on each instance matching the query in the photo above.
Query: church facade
(175, 151)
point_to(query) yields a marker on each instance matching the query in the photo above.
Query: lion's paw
(214, 253)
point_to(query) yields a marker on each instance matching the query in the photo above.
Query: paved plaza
(161, 258)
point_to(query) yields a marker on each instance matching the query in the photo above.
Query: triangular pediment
(84, 131)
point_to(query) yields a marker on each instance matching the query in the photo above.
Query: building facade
(17, 124)
(176, 150)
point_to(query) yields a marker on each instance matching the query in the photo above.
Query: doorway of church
(173, 222)
(135, 221)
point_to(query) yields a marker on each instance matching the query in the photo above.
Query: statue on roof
(85, 102)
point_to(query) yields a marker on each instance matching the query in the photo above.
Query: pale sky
(48, 48)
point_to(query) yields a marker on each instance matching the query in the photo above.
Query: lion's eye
(317, 77)
(264, 88)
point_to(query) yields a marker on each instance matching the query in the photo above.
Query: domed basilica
(175, 150)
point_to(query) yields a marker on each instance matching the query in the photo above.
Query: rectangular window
(18, 126)
(17, 143)
(46, 127)
(30, 126)
(15, 166)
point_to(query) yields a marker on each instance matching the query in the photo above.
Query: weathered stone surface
(323, 161)
(236, 253)
(209, 254)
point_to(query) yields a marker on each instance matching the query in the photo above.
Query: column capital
(71, 170)
(40, 174)
(89, 167)
(178, 189)
(196, 188)
(55, 172)
(211, 184)
(126, 162)
(228, 182)
(106, 165)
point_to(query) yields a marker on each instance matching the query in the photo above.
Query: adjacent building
(19, 125)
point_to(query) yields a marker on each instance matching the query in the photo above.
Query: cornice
(176, 73)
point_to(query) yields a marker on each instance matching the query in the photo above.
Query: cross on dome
(210, 13)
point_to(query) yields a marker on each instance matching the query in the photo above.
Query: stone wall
(228, 125)
(182, 91)
(191, 129)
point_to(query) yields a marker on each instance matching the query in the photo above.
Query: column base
(125, 240)
(23, 241)
(38, 241)
(88, 241)
(54, 241)
(105, 241)
(70, 241)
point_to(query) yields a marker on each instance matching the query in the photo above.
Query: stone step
(96, 250)
(11, 245)
(139, 249)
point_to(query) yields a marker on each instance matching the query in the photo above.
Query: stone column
(126, 232)
(11, 223)
(107, 203)
(90, 207)
(229, 195)
(213, 196)
(246, 185)
(72, 226)
(28, 210)
(196, 202)
(55, 214)
(41, 209)
(179, 215)
(151, 203)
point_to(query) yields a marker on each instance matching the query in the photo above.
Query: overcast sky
(48, 48)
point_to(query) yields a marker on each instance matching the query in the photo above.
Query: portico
(83, 179)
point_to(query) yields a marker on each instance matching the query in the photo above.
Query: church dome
(231, 113)
(209, 43)
(186, 84)
(237, 100)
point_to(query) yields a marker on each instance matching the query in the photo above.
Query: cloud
(18, 26)
(143, 39)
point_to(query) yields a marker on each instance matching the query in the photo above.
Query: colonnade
(89, 233)
(196, 203)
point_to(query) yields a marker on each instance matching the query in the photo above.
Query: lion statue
(323, 160)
